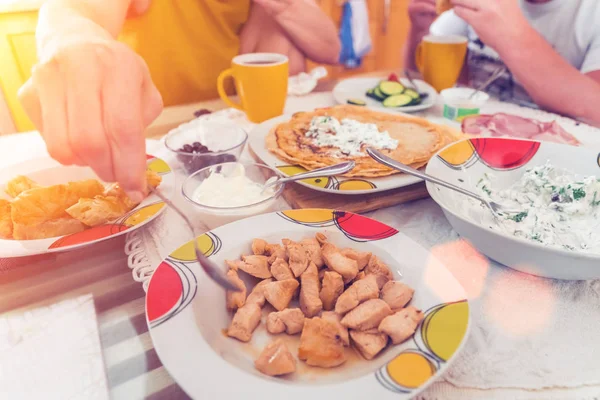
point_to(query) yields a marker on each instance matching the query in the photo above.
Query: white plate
(336, 185)
(464, 163)
(186, 315)
(47, 171)
(356, 88)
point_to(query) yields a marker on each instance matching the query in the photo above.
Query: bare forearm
(550, 80)
(99, 18)
(312, 32)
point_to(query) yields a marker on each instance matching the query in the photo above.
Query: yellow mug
(261, 81)
(440, 59)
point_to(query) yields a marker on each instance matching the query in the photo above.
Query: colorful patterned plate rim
(336, 185)
(186, 314)
(464, 162)
(47, 171)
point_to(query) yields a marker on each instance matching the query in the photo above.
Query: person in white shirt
(551, 49)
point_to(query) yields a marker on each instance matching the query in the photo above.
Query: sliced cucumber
(356, 102)
(379, 94)
(412, 93)
(416, 102)
(399, 100)
(391, 88)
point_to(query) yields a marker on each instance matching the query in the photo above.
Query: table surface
(132, 365)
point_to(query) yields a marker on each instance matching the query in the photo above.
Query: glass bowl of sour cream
(227, 192)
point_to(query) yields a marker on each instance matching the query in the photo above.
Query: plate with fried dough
(47, 207)
(305, 141)
(330, 304)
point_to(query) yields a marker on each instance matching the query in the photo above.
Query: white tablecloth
(532, 338)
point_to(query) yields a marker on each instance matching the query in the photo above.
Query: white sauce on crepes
(349, 136)
(559, 209)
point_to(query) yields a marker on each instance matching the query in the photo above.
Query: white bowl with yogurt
(458, 103)
(227, 192)
(555, 188)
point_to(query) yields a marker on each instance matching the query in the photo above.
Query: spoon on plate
(496, 208)
(414, 85)
(212, 270)
(337, 169)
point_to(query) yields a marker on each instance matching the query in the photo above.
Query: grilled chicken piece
(257, 295)
(298, 258)
(337, 319)
(362, 259)
(275, 251)
(341, 264)
(313, 248)
(259, 247)
(290, 321)
(321, 344)
(259, 266)
(235, 300)
(361, 275)
(310, 302)
(281, 270)
(402, 325)
(256, 269)
(276, 359)
(332, 288)
(369, 343)
(367, 316)
(279, 293)
(244, 322)
(359, 292)
(378, 268)
(321, 238)
(396, 294)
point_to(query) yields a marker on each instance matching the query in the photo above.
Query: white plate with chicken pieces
(330, 304)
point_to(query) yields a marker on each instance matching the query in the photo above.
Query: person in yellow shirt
(91, 96)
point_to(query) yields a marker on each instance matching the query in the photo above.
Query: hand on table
(422, 13)
(91, 100)
(496, 22)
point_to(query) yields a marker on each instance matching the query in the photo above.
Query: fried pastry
(6, 225)
(18, 185)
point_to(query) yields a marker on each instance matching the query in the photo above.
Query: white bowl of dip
(570, 248)
(227, 192)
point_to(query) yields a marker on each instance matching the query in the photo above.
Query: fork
(211, 269)
(496, 208)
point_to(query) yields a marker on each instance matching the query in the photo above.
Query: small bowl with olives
(199, 143)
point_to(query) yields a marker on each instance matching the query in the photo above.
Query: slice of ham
(497, 125)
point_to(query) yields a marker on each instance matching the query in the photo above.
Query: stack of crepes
(418, 140)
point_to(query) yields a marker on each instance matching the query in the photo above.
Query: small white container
(457, 104)
(215, 216)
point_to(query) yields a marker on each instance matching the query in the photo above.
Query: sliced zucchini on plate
(399, 100)
(412, 93)
(378, 94)
(357, 102)
(390, 88)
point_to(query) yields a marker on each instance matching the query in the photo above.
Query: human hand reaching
(498, 23)
(91, 99)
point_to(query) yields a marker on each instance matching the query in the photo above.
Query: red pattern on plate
(504, 154)
(361, 228)
(89, 235)
(164, 292)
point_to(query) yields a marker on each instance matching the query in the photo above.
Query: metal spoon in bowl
(211, 269)
(496, 208)
(337, 169)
